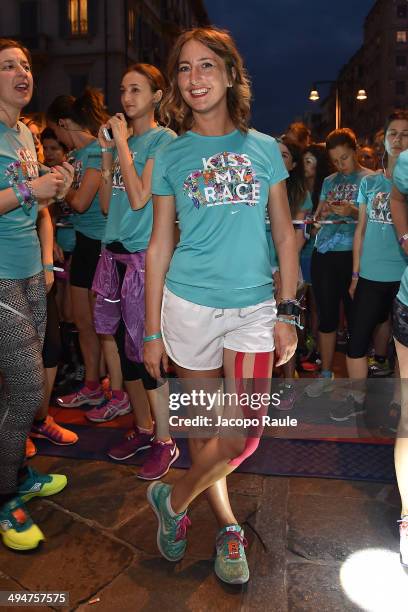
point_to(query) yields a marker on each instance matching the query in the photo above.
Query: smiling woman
(22, 296)
(209, 305)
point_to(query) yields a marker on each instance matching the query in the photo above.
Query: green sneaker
(41, 485)
(17, 529)
(172, 531)
(377, 369)
(231, 565)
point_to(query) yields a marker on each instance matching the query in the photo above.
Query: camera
(107, 133)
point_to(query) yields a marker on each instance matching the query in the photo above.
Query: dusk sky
(288, 44)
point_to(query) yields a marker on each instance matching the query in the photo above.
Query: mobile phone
(107, 133)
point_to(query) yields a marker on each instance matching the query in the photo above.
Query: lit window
(78, 17)
(131, 24)
(402, 36)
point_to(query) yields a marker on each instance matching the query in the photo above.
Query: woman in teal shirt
(378, 260)
(332, 259)
(209, 304)
(300, 203)
(22, 298)
(76, 122)
(399, 211)
(125, 195)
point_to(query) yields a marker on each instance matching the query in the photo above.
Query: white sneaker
(403, 529)
(320, 386)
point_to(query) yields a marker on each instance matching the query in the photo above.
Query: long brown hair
(238, 96)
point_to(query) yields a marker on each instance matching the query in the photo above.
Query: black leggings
(21, 368)
(372, 304)
(331, 277)
(131, 370)
(52, 341)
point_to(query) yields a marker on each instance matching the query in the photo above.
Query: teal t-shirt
(273, 256)
(221, 188)
(400, 179)
(382, 258)
(133, 227)
(20, 253)
(339, 187)
(91, 222)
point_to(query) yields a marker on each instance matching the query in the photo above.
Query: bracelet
(18, 194)
(355, 275)
(107, 149)
(291, 301)
(295, 321)
(32, 197)
(153, 337)
(25, 203)
(48, 267)
(403, 238)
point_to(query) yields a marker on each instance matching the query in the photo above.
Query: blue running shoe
(172, 531)
(231, 564)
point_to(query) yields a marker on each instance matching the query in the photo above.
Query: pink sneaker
(132, 444)
(109, 411)
(81, 397)
(161, 456)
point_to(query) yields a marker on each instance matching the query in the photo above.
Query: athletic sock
(170, 509)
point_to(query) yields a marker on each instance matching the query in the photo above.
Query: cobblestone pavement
(101, 546)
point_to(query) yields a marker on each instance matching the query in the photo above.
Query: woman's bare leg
(212, 463)
(401, 442)
(82, 306)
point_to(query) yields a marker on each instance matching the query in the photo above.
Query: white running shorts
(195, 336)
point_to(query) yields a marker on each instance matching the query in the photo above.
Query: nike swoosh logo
(234, 212)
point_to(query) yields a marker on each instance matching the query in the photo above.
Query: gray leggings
(21, 370)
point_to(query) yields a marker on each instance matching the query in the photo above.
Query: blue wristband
(48, 267)
(153, 337)
(295, 321)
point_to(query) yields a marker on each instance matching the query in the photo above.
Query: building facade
(380, 67)
(75, 43)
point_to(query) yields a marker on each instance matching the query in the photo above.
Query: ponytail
(88, 110)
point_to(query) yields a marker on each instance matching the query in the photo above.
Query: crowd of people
(128, 248)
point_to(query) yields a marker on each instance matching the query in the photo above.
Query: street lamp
(361, 95)
(314, 96)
